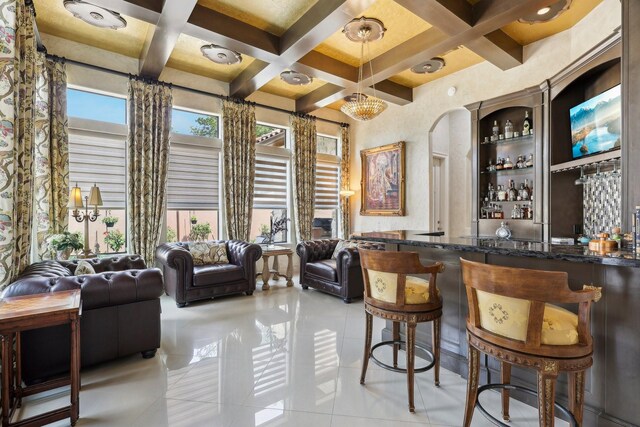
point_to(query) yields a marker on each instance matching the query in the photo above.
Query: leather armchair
(185, 282)
(120, 313)
(341, 276)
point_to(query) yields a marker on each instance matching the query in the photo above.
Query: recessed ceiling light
(220, 55)
(429, 67)
(95, 15)
(547, 13)
(294, 78)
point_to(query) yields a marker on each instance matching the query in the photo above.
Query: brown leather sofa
(120, 313)
(186, 282)
(341, 277)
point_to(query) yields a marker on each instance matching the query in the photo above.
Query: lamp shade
(75, 198)
(95, 198)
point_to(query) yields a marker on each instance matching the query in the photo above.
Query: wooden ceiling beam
(316, 25)
(157, 51)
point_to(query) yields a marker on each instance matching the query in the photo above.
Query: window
(194, 123)
(193, 189)
(95, 106)
(271, 191)
(327, 199)
(327, 145)
(97, 155)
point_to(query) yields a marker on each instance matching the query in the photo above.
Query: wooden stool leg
(411, 350)
(472, 384)
(546, 398)
(505, 378)
(396, 347)
(367, 346)
(576, 395)
(435, 346)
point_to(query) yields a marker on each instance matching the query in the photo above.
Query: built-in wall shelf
(509, 171)
(515, 140)
(586, 161)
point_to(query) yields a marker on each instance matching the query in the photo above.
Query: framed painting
(382, 182)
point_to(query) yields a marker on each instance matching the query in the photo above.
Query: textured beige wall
(412, 123)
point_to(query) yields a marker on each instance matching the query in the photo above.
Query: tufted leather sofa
(120, 313)
(341, 277)
(186, 282)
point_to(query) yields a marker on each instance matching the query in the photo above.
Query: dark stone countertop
(493, 245)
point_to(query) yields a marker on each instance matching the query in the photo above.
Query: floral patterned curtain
(150, 106)
(304, 172)
(345, 184)
(17, 93)
(239, 160)
(51, 152)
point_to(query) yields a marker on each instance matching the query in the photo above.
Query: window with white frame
(327, 189)
(97, 155)
(271, 185)
(193, 183)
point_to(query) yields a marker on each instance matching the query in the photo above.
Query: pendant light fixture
(360, 106)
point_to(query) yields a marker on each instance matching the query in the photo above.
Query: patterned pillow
(84, 267)
(343, 244)
(207, 253)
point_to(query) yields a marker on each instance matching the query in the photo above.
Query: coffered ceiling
(306, 36)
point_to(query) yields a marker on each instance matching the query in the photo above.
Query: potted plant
(194, 219)
(200, 231)
(65, 243)
(114, 239)
(110, 221)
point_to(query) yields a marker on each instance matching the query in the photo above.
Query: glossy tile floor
(283, 357)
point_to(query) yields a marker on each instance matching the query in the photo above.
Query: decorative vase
(64, 254)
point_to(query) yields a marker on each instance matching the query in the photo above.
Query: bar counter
(613, 382)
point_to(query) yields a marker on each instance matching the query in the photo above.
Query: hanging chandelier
(359, 106)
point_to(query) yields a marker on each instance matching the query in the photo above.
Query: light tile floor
(283, 357)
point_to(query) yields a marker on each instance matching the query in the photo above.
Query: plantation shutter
(193, 176)
(99, 158)
(327, 192)
(270, 190)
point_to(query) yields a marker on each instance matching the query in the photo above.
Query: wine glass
(582, 179)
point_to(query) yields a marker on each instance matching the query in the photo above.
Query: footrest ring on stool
(395, 369)
(494, 420)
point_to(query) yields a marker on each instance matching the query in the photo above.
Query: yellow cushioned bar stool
(512, 318)
(392, 292)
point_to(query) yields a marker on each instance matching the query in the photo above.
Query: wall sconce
(75, 202)
(347, 193)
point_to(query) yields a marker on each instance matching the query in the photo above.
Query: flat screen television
(596, 125)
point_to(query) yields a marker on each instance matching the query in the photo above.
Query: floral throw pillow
(343, 244)
(84, 267)
(207, 253)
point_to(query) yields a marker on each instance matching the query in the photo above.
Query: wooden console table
(23, 313)
(275, 269)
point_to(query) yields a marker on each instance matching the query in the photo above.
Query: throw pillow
(207, 253)
(343, 244)
(84, 267)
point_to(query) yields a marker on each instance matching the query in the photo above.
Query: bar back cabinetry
(525, 222)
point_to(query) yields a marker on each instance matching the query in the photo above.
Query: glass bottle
(524, 192)
(495, 131)
(529, 162)
(527, 124)
(507, 164)
(499, 164)
(498, 213)
(516, 212)
(491, 193)
(508, 129)
(513, 193)
(491, 166)
(520, 162)
(502, 194)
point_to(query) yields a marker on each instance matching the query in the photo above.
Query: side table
(23, 313)
(267, 272)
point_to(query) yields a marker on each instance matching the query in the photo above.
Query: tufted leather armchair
(341, 277)
(186, 282)
(120, 313)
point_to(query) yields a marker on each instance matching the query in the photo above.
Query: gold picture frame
(382, 184)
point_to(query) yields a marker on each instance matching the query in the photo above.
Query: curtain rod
(200, 92)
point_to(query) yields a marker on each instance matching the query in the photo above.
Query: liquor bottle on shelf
(516, 212)
(507, 163)
(512, 194)
(527, 124)
(520, 162)
(502, 194)
(491, 193)
(508, 129)
(529, 162)
(523, 193)
(498, 213)
(525, 211)
(499, 164)
(495, 131)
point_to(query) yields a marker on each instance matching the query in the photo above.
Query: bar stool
(511, 318)
(390, 293)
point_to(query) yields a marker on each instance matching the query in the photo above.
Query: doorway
(439, 193)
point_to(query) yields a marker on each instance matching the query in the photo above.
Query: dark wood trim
(156, 53)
